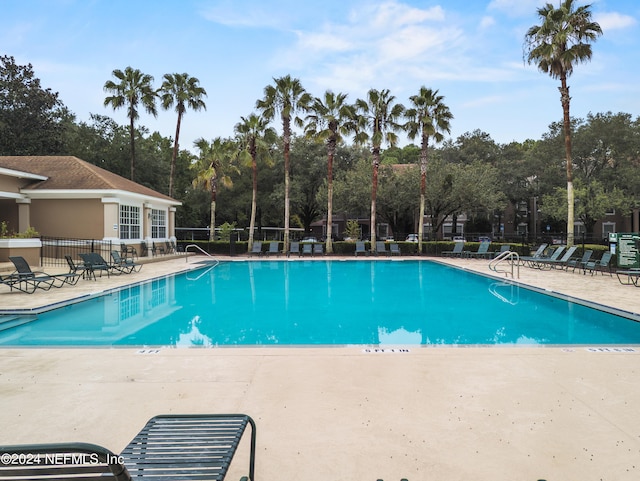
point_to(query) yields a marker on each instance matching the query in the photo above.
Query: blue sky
(469, 50)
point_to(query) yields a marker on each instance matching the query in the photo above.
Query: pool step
(9, 322)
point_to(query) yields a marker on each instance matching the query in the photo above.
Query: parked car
(309, 239)
(484, 238)
(458, 238)
(412, 238)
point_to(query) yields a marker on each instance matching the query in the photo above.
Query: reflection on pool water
(323, 303)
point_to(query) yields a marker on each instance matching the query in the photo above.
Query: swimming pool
(382, 303)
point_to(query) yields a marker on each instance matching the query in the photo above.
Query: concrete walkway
(561, 413)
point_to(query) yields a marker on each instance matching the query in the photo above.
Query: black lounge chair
(556, 263)
(580, 263)
(169, 447)
(537, 255)
(25, 280)
(95, 262)
(79, 269)
(157, 249)
(307, 249)
(394, 249)
(318, 249)
(630, 276)
(601, 265)
(125, 264)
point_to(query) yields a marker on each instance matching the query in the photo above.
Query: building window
(129, 222)
(610, 212)
(608, 228)
(158, 224)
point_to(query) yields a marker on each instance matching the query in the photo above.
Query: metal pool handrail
(197, 247)
(511, 256)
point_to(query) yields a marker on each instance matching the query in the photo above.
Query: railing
(55, 248)
(508, 256)
(186, 249)
(514, 292)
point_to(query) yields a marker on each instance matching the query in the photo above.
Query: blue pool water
(380, 303)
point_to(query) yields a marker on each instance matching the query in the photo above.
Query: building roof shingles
(71, 173)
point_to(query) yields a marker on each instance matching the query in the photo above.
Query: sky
(471, 51)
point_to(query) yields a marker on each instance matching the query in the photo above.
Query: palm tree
(330, 120)
(256, 139)
(183, 91)
(560, 41)
(215, 164)
(133, 89)
(428, 117)
(286, 97)
(378, 117)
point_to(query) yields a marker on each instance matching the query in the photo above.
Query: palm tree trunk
(174, 156)
(565, 98)
(133, 149)
(287, 140)
(212, 220)
(423, 189)
(254, 196)
(330, 154)
(374, 196)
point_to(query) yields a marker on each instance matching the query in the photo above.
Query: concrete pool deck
(446, 413)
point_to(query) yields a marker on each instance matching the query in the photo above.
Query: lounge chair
(360, 248)
(256, 249)
(317, 249)
(538, 254)
(125, 264)
(274, 248)
(541, 262)
(456, 252)
(168, 248)
(503, 248)
(482, 252)
(394, 249)
(601, 265)
(381, 248)
(169, 447)
(631, 277)
(79, 269)
(580, 263)
(560, 263)
(94, 262)
(25, 280)
(307, 249)
(294, 248)
(144, 249)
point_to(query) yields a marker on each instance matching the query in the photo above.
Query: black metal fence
(55, 248)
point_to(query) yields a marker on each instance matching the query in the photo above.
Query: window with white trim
(158, 224)
(129, 222)
(608, 228)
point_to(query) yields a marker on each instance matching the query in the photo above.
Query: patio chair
(294, 248)
(155, 249)
(128, 251)
(187, 447)
(503, 248)
(126, 264)
(318, 249)
(538, 254)
(381, 248)
(274, 248)
(360, 248)
(256, 249)
(307, 249)
(482, 252)
(394, 249)
(632, 277)
(26, 280)
(456, 252)
(580, 263)
(169, 248)
(144, 249)
(601, 265)
(540, 262)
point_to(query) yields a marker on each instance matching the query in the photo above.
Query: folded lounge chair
(169, 447)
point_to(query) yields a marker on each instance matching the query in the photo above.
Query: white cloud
(487, 22)
(614, 21)
(516, 8)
